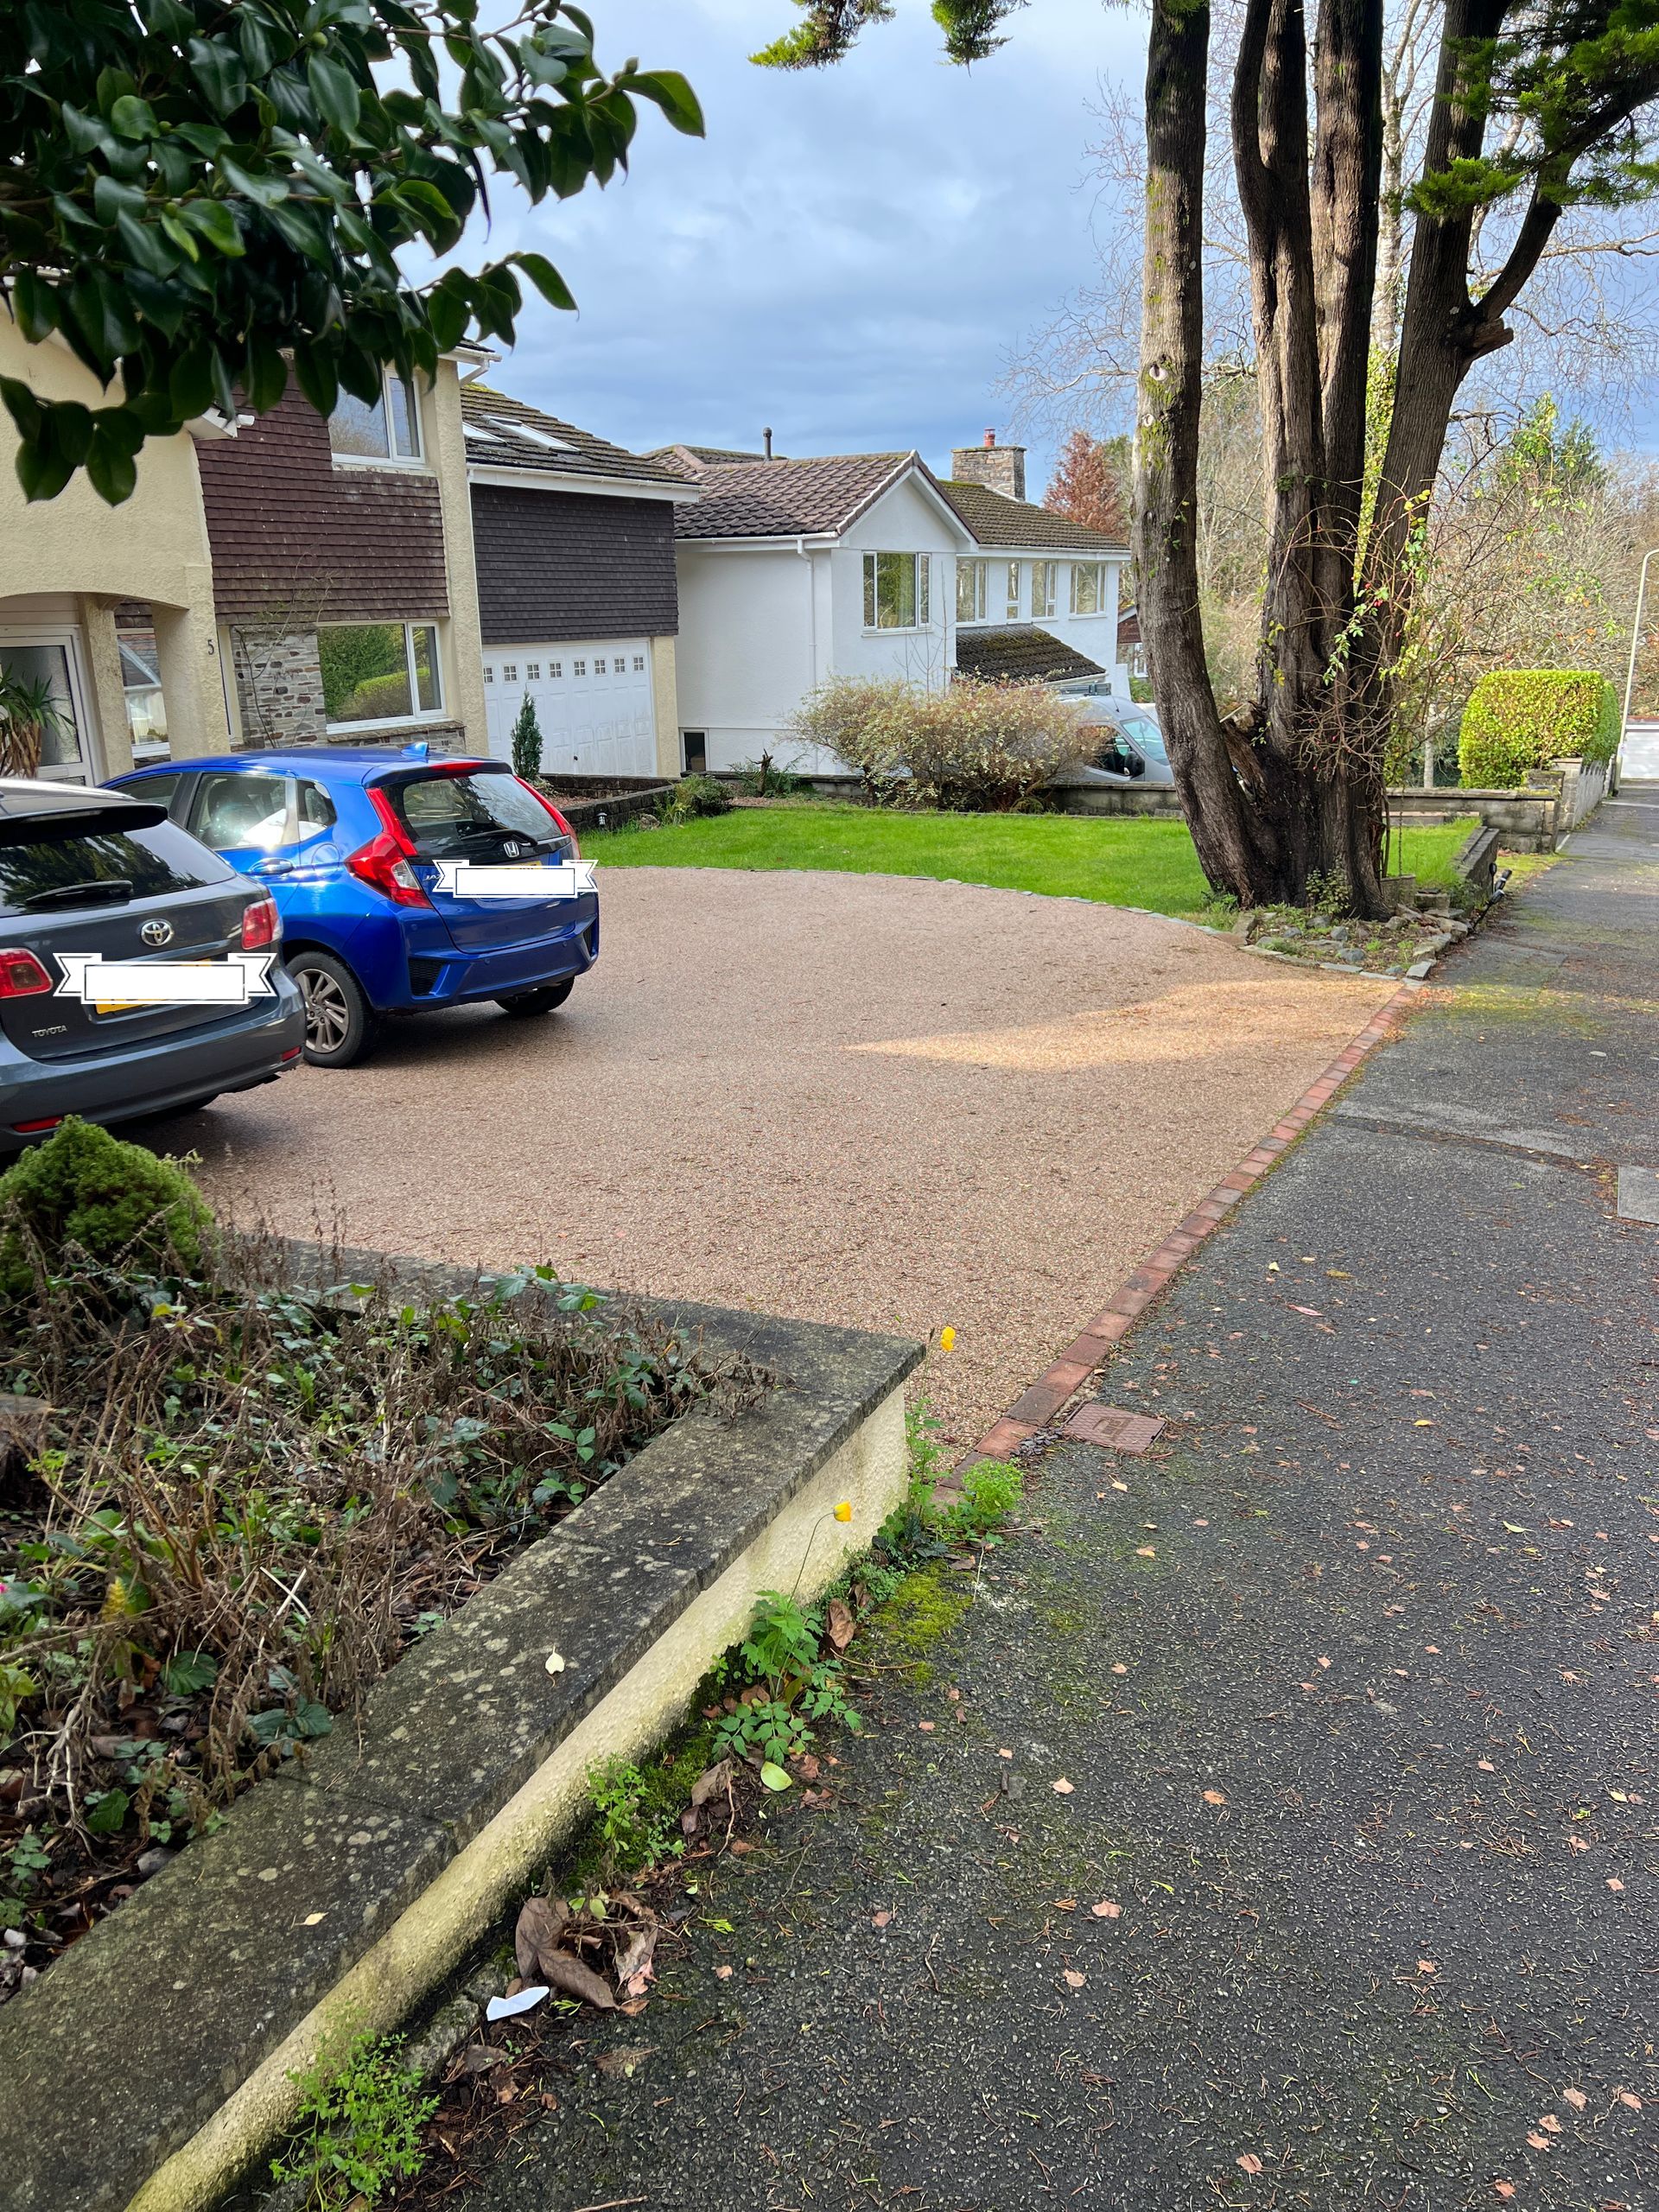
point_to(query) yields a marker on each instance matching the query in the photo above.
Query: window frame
(979, 572)
(921, 612)
(1012, 596)
(1097, 570)
(417, 714)
(390, 458)
(1046, 601)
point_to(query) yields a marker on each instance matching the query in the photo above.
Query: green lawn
(1120, 859)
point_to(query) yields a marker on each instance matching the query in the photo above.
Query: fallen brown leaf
(881, 1919)
(1106, 1909)
(1073, 1978)
(839, 1625)
(1576, 2098)
(1063, 1788)
(635, 1957)
(1249, 2163)
(1427, 1966)
(1214, 1797)
(540, 1925)
(711, 1781)
(576, 1980)
(625, 2061)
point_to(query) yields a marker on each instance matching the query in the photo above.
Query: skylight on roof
(543, 438)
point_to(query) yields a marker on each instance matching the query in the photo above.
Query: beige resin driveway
(863, 1099)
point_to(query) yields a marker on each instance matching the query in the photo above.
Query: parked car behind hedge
(1519, 719)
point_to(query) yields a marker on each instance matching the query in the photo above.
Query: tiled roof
(995, 520)
(1019, 653)
(698, 458)
(495, 423)
(788, 498)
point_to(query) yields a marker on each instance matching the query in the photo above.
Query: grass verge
(1116, 860)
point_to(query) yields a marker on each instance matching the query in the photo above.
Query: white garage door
(593, 701)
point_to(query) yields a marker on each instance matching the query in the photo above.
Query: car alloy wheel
(328, 1017)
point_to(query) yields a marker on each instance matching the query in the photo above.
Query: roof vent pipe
(767, 436)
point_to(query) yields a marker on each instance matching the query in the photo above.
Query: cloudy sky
(850, 256)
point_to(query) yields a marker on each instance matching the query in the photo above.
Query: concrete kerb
(1041, 1404)
(336, 1897)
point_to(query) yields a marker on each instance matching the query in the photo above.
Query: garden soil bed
(354, 1881)
(209, 1572)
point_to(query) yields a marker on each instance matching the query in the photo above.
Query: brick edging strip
(1036, 1406)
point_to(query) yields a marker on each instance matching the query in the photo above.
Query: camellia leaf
(670, 92)
(112, 474)
(213, 220)
(201, 172)
(336, 92)
(546, 279)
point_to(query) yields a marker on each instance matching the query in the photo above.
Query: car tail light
(33, 1129)
(261, 923)
(22, 975)
(542, 799)
(384, 862)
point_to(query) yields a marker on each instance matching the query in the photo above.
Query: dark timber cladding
(298, 539)
(563, 564)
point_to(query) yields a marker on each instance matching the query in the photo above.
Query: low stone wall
(1527, 821)
(604, 802)
(1584, 785)
(150, 2068)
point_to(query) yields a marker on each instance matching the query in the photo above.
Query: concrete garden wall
(149, 2069)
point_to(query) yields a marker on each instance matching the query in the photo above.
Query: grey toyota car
(98, 873)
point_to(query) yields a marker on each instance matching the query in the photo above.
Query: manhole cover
(1110, 1426)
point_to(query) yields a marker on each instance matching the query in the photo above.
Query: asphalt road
(1353, 1682)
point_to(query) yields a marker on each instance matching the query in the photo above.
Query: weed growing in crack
(634, 1829)
(357, 2133)
(782, 1681)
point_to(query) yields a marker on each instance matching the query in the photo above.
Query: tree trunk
(1281, 790)
(1236, 850)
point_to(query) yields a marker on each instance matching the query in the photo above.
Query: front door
(68, 743)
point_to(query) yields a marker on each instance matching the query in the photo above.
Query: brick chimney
(998, 469)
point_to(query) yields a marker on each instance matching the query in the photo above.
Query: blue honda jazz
(352, 842)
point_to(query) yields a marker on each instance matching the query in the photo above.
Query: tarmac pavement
(1351, 1899)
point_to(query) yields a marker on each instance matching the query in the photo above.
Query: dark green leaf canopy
(197, 194)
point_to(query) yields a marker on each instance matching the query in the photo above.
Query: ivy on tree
(199, 196)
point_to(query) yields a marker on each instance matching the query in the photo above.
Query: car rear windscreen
(450, 813)
(107, 868)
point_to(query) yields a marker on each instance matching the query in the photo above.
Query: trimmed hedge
(1522, 718)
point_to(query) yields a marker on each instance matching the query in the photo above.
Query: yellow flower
(845, 1510)
(947, 1339)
